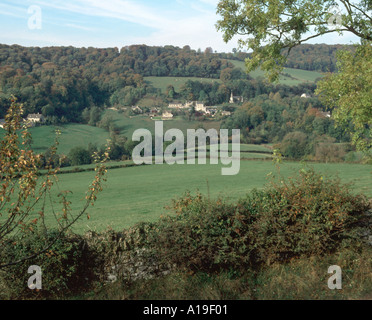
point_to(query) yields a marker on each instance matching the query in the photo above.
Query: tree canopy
(24, 192)
(349, 93)
(276, 25)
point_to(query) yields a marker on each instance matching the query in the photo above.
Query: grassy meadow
(136, 194)
(72, 135)
(143, 194)
(163, 82)
(297, 76)
(140, 193)
(289, 76)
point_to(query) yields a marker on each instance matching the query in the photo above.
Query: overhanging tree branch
(19, 175)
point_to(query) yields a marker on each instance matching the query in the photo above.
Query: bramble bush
(200, 236)
(65, 265)
(303, 216)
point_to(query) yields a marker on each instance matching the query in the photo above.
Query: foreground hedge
(304, 216)
(308, 215)
(64, 264)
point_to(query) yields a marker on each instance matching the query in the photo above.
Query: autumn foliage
(308, 215)
(24, 192)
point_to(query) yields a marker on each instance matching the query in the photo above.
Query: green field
(140, 193)
(177, 82)
(72, 135)
(297, 76)
(136, 194)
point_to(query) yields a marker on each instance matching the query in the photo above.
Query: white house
(2, 122)
(199, 107)
(175, 106)
(226, 113)
(211, 111)
(167, 116)
(35, 117)
(236, 98)
(137, 109)
(180, 105)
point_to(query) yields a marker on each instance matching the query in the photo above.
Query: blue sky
(117, 23)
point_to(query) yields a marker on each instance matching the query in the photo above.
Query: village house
(35, 117)
(154, 110)
(226, 113)
(175, 106)
(180, 105)
(306, 96)
(199, 107)
(167, 116)
(211, 111)
(234, 99)
(137, 109)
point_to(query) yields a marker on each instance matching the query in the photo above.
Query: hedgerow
(304, 216)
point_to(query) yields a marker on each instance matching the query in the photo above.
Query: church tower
(232, 97)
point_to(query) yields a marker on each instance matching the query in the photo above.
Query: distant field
(254, 148)
(298, 76)
(139, 194)
(72, 135)
(254, 156)
(177, 82)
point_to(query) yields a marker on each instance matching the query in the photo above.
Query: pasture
(177, 82)
(296, 76)
(72, 135)
(289, 76)
(136, 194)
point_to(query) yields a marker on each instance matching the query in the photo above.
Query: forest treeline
(60, 82)
(296, 126)
(311, 57)
(68, 84)
(63, 81)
